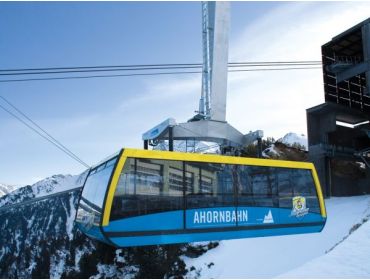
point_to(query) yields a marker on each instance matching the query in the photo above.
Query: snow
(292, 138)
(270, 150)
(350, 259)
(50, 220)
(54, 184)
(31, 267)
(269, 257)
(48, 186)
(57, 226)
(112, 271)
(105, 271)
(17, 239)
(78, 255)
(2, 253)
(79, 252)
(5, 189)
(30, 222)
(119, 258)
(57, 264)
(70, 218)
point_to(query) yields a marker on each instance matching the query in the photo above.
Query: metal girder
(159, 130)
(215, 25)
(209, 124)
(204, 130)
(365, 30)
(353, 71)
(365, 156)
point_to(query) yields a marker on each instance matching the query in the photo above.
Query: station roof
(349, 42)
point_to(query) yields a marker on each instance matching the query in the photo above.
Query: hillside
(6, 189)
(48, 186)
(294, 139)
(38, 240)
(269, 257)
(350, 258)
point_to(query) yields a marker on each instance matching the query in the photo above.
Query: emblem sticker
(299, 206)
(268, 219)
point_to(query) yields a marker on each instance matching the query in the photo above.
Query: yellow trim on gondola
(112, 189)
(150, 154)
(215, 158)
(319, 191)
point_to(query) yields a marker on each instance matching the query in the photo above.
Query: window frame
(186, 157)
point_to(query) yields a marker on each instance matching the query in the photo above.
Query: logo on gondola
(299, 206)
(268, 219)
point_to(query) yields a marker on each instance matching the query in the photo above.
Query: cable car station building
(339, 129)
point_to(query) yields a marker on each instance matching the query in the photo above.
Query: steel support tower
(209, 123)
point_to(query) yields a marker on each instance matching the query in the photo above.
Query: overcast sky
(97, 117)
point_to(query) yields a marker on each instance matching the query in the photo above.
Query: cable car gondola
(144, 197)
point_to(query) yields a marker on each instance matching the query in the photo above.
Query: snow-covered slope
(30, 233)
(50, 185)
(39, 240)
(350, 259)
(57, 183)
(271, 152)
(269, 257)
(292, 138)
(6, 189)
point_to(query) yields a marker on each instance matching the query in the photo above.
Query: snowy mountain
(39, 240)
(6, 189)
(292, 138)
(50, 185)
(284, 152)
(30, 233)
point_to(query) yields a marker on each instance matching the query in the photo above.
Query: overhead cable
(46, 71)
(48, 137)
(149, 74)
(247, 63)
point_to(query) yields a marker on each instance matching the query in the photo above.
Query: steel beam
(365, 30)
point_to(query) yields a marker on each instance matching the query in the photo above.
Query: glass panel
(244, 187)
(96, 186)
(304, 186)
(264, 185)
(189, 182)
(294, 183)
(209, 185)
(285, 187)
(93, 194)
(303, 182)
(148, 186)
(210, 200)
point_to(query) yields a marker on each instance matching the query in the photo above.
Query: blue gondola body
(141, 198)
